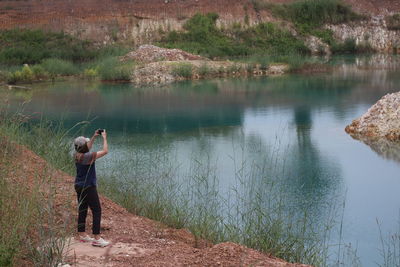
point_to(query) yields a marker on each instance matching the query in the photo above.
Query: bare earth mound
(136, 241)
(152, 53)
(381, 120)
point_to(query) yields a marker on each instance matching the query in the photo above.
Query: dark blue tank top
(86, 170)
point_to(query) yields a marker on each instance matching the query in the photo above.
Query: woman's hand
(104, 134)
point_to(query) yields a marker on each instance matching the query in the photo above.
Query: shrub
(56, 66)
(393, 22)
(311, 14)
(111, 69)
(90, 73)
(204, 70)
(269, 38)
(20, 46)
(27, 73)
(348, 46)
(184, 70)
(39, 72)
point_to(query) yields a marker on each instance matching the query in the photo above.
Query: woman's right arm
(103, 152)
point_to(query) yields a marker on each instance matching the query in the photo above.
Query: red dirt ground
(136, 241)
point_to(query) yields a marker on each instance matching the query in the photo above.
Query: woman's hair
(82, 149)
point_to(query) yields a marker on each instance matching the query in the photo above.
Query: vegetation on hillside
(308, 17)
(201, 36)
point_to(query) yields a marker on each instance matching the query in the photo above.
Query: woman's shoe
(100, 243)
(86, 239)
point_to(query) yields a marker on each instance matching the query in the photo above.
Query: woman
(86, 186)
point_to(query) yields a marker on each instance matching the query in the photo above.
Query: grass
(30, 231)
(390, 248)
(111, 69)
(202, 37)
(310, 14)
(184, 70)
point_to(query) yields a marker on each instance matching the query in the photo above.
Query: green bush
(204, 70)
(271, 39)
(310, 14)
(56, 66)
(39, 72)
(393, 22)
(20, 46)
(111, 69)
(90, 73)
(348, 46)
(184, 70)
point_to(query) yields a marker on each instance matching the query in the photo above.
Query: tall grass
(390, 248)
(253, 212)
(30, 230)
(111, 69)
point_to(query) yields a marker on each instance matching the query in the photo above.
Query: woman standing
(86, 186)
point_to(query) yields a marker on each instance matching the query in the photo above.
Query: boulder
(381, 120)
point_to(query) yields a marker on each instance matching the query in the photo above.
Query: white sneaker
(86, 239)
(100, 243)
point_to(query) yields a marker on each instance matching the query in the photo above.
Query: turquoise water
(291, 125)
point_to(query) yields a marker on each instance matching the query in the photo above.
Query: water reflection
(383, 147)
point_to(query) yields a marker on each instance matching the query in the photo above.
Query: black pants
(88, 197)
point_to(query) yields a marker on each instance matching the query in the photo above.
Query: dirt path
(136, 241)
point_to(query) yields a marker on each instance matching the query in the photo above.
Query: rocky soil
(136, 241)
(381, 120)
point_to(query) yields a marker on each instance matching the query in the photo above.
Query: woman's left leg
(94, 204)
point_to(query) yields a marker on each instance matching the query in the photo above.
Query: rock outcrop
(381, 120)
(373, 33)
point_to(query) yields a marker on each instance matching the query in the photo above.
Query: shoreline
(135, 239)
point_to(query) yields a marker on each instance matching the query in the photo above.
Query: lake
(290, 126)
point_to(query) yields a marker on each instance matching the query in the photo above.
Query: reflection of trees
(312, 178)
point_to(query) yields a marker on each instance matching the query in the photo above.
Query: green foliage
(20, 46)
(311, 14)
(39, 72)
(204, 70)
(56, 66)
(393, 22)
(348, 46)
(326, 35)
(90, 73)
(271, 39)
(203, 37)
(111, 69)
(184, 70)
